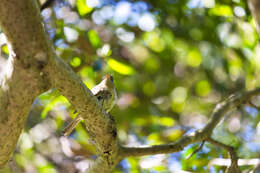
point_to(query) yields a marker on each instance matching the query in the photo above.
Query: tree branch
(254, 6)
(199, 135)
(21, 23)
(197, 150)
(233, 156)
(20, 82)
(37, 68)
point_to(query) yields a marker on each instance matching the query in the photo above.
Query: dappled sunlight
(172, 63)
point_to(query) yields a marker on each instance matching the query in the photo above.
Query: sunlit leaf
(5, 49)
(120, 67)
(203, 88)
(177, 107)
(166, 121)
(21, 160)
(152, 65)
(194, 58)
(154, 139)
(134, 167)
(149, 88)
(160, 168)
(175, 135)
(53, 103)
(47, 169)
(75, 62)
(221, 10)
(153, 40)
(87, 72)
(83, 9)
(94, 38)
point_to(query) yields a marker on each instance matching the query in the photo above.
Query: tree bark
(22, 79)
(254, 6)
(36, 69)
(33, 67)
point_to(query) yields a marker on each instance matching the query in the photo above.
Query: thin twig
(197, 150)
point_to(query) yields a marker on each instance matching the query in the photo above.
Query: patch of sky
(132, 14)
(139, 7)
(253, 146)
(147, 22)
(107, 2)
(107, 12)
(248, 133)
(251, 110)
(195, 3)
(133, 18)
(94, 3)
(122, 12)
(61, 44)
(125, 165)
(174, 163)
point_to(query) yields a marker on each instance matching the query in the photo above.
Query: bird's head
(109, 81)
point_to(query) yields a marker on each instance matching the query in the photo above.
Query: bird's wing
(103, 95)
(97, 89)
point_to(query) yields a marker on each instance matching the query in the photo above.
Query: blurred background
(172, 62)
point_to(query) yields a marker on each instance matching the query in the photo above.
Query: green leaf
(83, 9)
(203, 88)
(149, 88)
(120, 67)
(47, 169)
(53, 103)
(94, 38)
(194, 58)
(75, 62)
(5, 49)
(221, 10)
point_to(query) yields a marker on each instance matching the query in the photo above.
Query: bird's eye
(111, 78)
(99, 97)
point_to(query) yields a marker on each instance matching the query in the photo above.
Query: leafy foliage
(172, 61)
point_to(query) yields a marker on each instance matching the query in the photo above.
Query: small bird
(106, 94)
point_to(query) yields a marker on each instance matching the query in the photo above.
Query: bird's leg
(69, 128)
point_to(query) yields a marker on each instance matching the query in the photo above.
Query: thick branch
(254, 6)
(200, 135)
(104, 164)
(17, 92)
(100, 125)
(20, 81)
(36, 68)
(21, 23)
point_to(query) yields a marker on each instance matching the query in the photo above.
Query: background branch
(36, 68)
(233, 156)
(200, 135)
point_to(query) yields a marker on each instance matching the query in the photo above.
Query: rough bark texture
(100, 125)
(33, 68)
(17, 95)
(37, 68)
(254, 6)
(21, 81)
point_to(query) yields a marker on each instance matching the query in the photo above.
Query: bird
(106, 94)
